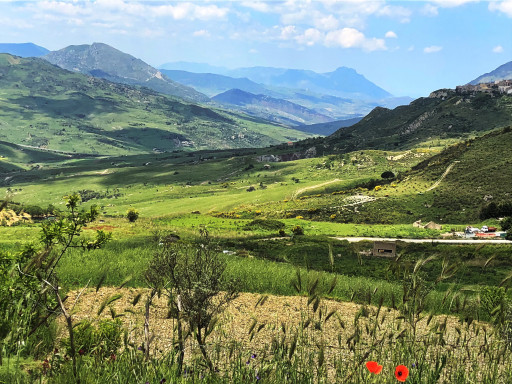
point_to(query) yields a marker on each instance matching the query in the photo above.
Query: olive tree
(192, 275)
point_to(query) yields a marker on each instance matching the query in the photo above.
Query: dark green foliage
(297, 230)
(132, 215)
(493, 210)
(87, 194)
(387, 175)
(506, 223)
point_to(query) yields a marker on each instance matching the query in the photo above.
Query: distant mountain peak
(23, 49)
(503, 72)
(102, 60)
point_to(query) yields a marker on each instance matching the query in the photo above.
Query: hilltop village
(501, 87)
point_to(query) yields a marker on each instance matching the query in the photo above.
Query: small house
(384, 249)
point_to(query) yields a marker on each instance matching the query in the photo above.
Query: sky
(409, 48)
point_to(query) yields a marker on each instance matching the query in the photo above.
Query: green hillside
(47, 107)
(450, 187)
(443, 115)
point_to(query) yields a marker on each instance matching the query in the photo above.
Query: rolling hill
(270, 108)
(450, 187)
(102, 61)
(445, 114)
(44, 106)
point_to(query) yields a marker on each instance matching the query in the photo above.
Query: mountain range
(103, 61)
(317, 97)
(333, 94)
(44, 106)
(278, 110)
(343, 82)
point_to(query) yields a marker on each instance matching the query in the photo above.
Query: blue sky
(407, 47)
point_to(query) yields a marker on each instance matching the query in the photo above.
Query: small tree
(193, 277)
(132, 215)
(57, 237)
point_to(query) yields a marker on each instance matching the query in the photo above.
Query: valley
(194, 240)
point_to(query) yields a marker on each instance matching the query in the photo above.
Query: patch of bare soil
(277, 313)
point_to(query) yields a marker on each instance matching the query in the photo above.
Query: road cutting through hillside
(301, 190)
(448, 169)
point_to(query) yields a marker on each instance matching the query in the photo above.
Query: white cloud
(326, 23)
(60, 7)
(504, 6)
(289, 32)
(430, 10)
(201, 33)
(401, 13)
(189, 11)
(253, 51)
(391, 35)
(498, 49)
(452, 3)
(352, 38)
(310, 37)
(432, 49)
(259, 6)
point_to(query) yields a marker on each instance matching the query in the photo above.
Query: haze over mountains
(291, 97)
(103, 61)
(44, 106)
(23, 49)
(341, 94)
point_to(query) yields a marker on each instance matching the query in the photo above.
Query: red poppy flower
(401, 373)
(373, 367)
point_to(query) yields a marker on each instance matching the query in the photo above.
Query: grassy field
(254, 212)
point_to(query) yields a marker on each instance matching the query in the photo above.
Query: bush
(132, 215)
(297, 230)
(387, 175)
(506, 224)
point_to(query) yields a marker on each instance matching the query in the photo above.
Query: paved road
(445, 241)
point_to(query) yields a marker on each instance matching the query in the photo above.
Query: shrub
(387, 175)
(297, 230)
(506, 224)
(132, 215)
